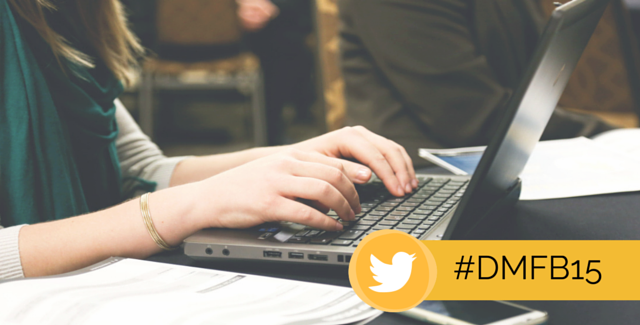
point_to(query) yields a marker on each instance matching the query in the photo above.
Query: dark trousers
(288, 66)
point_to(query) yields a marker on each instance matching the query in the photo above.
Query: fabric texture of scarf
(57, 126)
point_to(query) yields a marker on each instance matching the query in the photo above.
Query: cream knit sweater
(139, 157)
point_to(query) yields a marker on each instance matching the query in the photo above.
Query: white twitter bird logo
(393, 277)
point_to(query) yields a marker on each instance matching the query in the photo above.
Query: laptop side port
(272, 254)
(296, 255)
(316, 257)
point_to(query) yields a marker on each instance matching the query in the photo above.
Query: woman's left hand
(387, 159)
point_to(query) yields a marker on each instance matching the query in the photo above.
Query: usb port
(272, 254)
(316, 257)
(296, 255)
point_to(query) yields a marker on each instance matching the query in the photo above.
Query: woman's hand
(388, 160)
(276, 187)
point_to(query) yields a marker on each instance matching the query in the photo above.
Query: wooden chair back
(197, 22)
(331, 83)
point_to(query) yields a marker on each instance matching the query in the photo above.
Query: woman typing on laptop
(70, 154)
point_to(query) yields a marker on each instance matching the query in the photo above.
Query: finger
(316, 205)
(412, 171)
(394, 154)
(321, 191)
(289, 210)
(331, 175)
(356, 146)
(355, 172)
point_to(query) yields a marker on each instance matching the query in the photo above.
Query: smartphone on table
(475, 313)
(459, 161)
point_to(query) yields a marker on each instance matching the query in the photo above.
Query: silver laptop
(443, 207)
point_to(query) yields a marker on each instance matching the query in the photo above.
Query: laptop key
(387, 223)
(422, 181)
(360, 227)
(393, 218)
(351, 234)
(313, 233)
(381, 227)
(328, 235)
(398, 213)
(320, 241)
(405, 226)
(422, 211)
(341, 242)
(411, 222)
(298, 240)
(301, 233)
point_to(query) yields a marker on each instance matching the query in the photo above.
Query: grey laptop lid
(561, 45)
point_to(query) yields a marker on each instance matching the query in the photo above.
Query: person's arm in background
(440, 73)
(419, 59)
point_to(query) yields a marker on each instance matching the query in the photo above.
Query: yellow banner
(535, 270)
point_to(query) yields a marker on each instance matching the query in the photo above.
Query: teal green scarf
(57, 130)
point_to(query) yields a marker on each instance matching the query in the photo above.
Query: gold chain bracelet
(148, 222)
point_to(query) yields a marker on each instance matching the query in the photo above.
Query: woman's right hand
(274, 188)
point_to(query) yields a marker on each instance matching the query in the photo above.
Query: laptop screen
(561, 45)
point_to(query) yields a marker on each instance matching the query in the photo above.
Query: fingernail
(338, 226)
(363, 174)
(400, 190)
(408, 188)
(352, 215)
(414, 183)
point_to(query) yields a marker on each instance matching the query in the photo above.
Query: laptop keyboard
(415, 213)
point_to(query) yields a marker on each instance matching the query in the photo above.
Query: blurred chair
(332, 84)
(606, 81)
(185, 30)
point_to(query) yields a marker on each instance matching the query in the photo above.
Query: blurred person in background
(277, 33)
(439, 73)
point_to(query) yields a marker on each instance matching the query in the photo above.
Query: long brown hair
(106, 27)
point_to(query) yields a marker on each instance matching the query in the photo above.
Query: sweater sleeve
(10, 264)
(140, 158)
